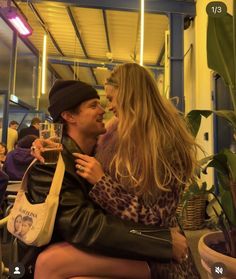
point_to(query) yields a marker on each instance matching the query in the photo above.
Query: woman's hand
(39, 145)
(88, 167)
(180, 246)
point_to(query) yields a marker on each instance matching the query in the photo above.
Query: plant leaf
(219, 162)
(220, 47)
(227, 204)
(231, 162)
(224, 181)
(229, 115)
(194, 117)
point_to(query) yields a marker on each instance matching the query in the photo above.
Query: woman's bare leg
(90, 278)
(62, 260)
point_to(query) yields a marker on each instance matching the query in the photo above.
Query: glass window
(6, 36)
(26, 74)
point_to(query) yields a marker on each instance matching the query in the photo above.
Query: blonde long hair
(155, 150)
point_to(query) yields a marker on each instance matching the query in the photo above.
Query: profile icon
(16, 270)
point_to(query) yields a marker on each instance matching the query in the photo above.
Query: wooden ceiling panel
(102, 74)
(84, 74)
(59, 24)
(90, 23)
(122, 29)
(123, 33)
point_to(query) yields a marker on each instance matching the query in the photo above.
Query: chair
(7, 197)
(3, 269)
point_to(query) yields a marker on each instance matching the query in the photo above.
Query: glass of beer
(51, 134)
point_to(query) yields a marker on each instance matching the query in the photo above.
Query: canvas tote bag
(33, 223)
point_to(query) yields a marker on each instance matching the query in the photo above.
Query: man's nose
(101, 109)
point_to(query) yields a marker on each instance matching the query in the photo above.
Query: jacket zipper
(143, 233)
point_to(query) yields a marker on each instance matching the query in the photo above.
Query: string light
(44, 64)
(142, 33)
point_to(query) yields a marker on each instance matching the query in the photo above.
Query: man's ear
(68, 116)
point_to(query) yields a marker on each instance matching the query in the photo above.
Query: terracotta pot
(210, 256)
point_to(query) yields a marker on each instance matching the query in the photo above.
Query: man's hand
(39, 145)
(180, 246)
(88, 167)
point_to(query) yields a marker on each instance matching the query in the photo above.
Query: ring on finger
(33, 148)
(80, 168)
(186, 257)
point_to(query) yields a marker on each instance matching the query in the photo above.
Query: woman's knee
(44, 263)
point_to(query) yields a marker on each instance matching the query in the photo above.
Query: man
(79, 221)
(12, 135)
(33, 129)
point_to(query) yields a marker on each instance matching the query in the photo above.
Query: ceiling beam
(134, 54)
(92, 63)
(72, 19)
(42, 23)
(47, 31)
(106, 30)
(161, 55)
(151, 6)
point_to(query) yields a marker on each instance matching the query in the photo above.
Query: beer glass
(51, 134)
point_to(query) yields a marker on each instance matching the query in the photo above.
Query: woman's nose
(110, 107)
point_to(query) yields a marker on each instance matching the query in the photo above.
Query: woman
(147, 156)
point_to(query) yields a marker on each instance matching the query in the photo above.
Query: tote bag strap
(25, 176)
(57, 178)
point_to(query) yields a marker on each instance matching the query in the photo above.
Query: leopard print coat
(116, 199)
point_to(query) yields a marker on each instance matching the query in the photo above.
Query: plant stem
(233, 92)
(234, 34)
(226, 216)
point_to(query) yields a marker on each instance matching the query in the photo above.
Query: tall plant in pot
(221, 56)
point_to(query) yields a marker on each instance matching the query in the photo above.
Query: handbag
(33, 223)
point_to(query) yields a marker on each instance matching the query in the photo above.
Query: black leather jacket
(86, 226)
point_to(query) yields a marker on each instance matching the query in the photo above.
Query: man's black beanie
(66, 94)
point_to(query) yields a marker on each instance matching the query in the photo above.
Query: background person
(12, 134)
(33, 129)
(86, 228)
(3, 153)
(18, 160)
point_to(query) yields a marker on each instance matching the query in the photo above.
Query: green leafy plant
(221, 57)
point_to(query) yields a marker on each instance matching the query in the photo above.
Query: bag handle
(56, 181)
(57, 178)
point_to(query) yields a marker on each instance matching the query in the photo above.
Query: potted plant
(221, 56)
(192, 206)
(220, 247)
